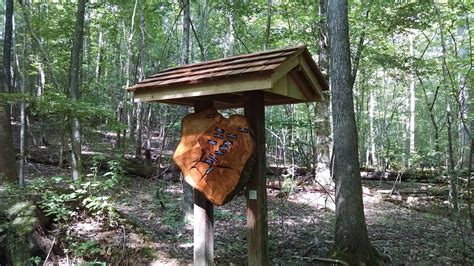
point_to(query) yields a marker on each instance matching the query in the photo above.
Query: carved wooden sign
(215, 153)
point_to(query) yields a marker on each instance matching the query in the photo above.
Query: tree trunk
(130, 112)
(99, 58)
(464, 100)
(469, 190)
(323, 129)
(8, 170)
(76, 164)
(22, 70)
(351, 239)
(269, 25)
(453, 179)
(187, 202)
(411, 123)
(230, 36)
(148, 138)
(138, 77)
(371, 151)
(186, 22)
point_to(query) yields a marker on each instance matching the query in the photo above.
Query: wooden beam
(302, 83)
(286, 67)
(312, 80)
(257, 227)
(195, 90)
(203, 217)
(288, 88)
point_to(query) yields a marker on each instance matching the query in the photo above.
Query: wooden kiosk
(251, 81)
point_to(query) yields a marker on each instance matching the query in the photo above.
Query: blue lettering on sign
(209, 161)
(219, 136)
(213, 158)
(219, 130)
(243, 129)
(228, 142)
(212, 142)
(231, 136)
(208, 170)
(221, 153)
(224, 147)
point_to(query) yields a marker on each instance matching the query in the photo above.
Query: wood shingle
(287, 75)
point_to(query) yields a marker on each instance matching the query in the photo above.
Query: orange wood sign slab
(215, 153)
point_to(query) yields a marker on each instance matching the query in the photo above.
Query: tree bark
(323, 129)
(351, 238)
(8, 171)
(138, 77)
(371, 150)
(99, 58)
(127, 96)
(230, 35)
(76, 163)
(411, 127)
(186, 24)
(453, 179)
(187, 201)
(269, 25)
(22, 70)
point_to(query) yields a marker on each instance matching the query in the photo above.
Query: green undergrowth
(58, 203)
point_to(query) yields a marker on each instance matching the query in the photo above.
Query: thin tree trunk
(23, 117)
(469, 193)
(186, 24)
(138, 77)
(39, 43)
(230, 36)
(431, 105)
(76, 163)
(372, 154)
(464, 100)
(453, 179)
(8, 171)
(351, 238)
(148, 137)
(41, 80)
(269, 25)
(412, 150)
(98, 66)
(187, 203)
(130, 112)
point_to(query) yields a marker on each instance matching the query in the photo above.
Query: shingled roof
(286, 75)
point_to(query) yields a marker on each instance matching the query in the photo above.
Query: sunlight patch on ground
(314, 199)
(87, 227)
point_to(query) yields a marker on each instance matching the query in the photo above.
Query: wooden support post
(203, 218)
(257, 227)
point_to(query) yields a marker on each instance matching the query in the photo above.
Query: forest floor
(411, 227)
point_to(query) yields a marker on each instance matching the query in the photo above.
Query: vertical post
(257, 228)
(203, 218)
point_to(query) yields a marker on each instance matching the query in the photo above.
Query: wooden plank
(257, 227)
(288, 65)
(300, 81)
(288, 88)
(203, 217)
(308, 73)
(202, 89)
(316, 71)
